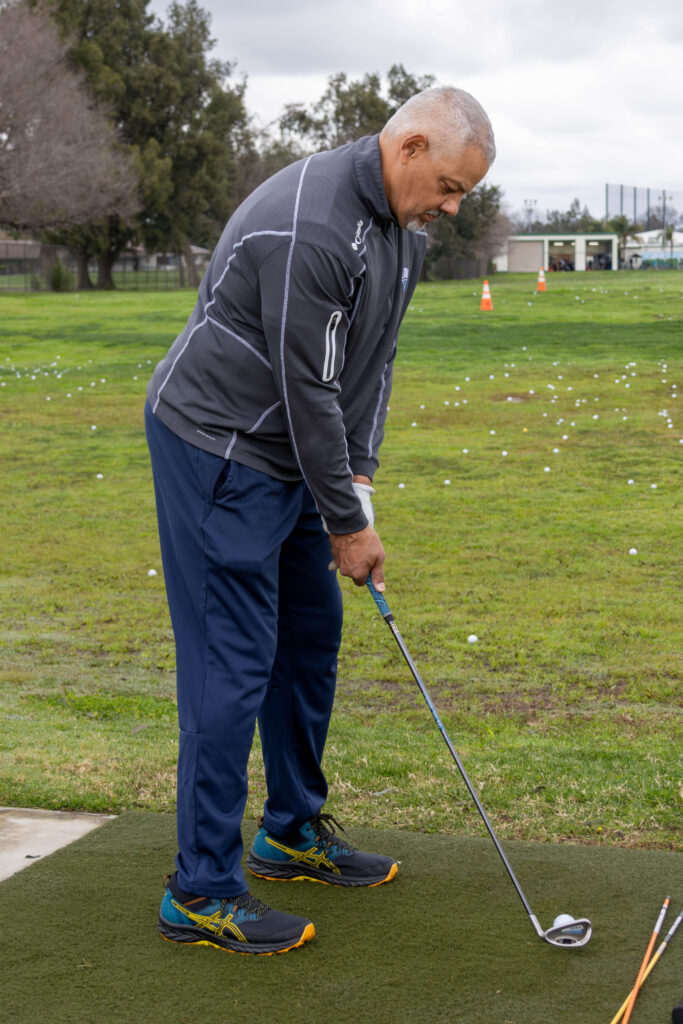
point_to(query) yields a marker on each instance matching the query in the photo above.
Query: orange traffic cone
(486, 297)
(540, 284)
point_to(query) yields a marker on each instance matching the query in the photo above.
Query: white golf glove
(364, 493)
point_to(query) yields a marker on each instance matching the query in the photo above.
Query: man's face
(421, 186)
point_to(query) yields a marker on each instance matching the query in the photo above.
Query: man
(264, 423)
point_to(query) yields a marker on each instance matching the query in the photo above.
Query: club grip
(380, 600)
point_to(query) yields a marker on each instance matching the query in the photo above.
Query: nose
(451, 205)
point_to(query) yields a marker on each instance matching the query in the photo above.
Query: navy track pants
(257, 618)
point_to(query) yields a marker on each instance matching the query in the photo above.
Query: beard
(418, 225)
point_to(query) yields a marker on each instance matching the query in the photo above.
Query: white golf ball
(633, 551)
(472, 638)
(152, 572)
(563, 919)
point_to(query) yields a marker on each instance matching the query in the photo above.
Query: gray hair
(448, 117)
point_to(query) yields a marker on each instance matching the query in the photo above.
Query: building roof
(654, 237)
(598, 235)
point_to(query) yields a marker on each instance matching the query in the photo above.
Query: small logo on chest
(359, 237)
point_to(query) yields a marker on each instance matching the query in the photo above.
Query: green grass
(567, 711)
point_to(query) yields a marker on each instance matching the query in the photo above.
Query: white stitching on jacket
(252, 234)
(261, 418)
(242, 341)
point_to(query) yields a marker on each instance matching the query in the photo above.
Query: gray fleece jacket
(285, 364)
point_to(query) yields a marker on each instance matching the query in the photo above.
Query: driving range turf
(566, 712)
(446, 941)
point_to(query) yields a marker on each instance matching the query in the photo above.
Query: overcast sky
(579, 93)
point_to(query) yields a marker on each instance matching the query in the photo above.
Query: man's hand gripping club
(357, 554)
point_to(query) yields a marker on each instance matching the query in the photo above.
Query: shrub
(61, 278)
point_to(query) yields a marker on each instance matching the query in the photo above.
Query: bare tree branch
(494, 238)
(60, 163)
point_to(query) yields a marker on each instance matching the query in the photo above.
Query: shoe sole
(190, 936)
(276, 871)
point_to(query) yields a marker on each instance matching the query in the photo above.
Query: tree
(574, 220)
(462, 246)
(348, 109)
(60, 160)
(182, 123)
(402, 85)
(526, 222)
(668, 234)
(625, 229)
(262, 156)
(663, 214)
(205, 133)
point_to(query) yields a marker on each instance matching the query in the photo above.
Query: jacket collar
(367, 165)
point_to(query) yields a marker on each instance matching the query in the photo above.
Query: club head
(570, 932)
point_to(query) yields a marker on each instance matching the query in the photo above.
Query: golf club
(643, 967)
(651, 964)
(565, 930)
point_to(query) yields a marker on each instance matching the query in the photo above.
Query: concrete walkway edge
(27, 834)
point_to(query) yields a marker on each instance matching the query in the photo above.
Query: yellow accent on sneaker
(393, 871)
(214, 922)
(313, 857)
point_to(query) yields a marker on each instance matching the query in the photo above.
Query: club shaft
(389, 619)
(643, 966)
(662, 949)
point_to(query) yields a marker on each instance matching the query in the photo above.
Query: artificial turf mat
(448, 940)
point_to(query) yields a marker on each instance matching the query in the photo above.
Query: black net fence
(651, 229)
(649, 208)
(32, 266)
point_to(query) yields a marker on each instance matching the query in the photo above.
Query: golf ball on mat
(562, 919)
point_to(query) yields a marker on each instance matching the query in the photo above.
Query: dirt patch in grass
(511, 396)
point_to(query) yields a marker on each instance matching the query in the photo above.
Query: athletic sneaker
(314, 853)
(238, 924)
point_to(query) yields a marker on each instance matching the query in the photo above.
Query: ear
(413, 146)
